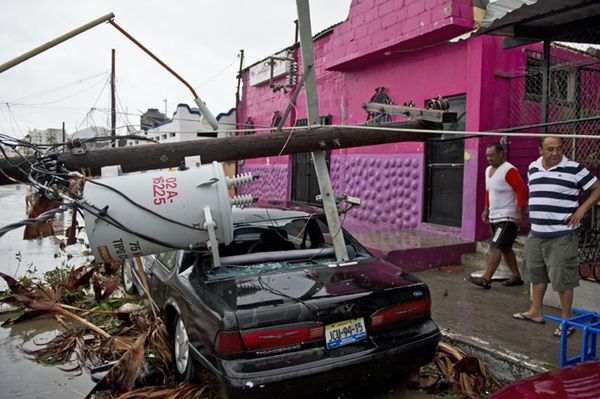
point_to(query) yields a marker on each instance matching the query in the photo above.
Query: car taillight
(229, 342)
(282, 336)
(406, 311)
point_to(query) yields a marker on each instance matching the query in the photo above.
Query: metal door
(444, 172)
(305, 186)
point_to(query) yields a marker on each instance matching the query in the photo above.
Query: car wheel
(185, 369)
(127, 276)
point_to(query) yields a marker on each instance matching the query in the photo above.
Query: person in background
(505, 197)
(555, 183)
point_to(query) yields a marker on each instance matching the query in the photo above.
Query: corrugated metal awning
(556, 20)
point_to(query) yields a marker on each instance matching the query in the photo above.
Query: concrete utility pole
(156, 156)
(113, 102)
(312, 107)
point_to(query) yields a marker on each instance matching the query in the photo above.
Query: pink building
(403, 46)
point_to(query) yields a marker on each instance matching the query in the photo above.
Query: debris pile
(100, 326)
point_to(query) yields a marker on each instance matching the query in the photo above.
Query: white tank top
(503, 199)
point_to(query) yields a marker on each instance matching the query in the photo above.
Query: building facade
(186, 124)
(400, 52)
(46, 136)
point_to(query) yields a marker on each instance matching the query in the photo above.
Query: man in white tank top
(505, 198)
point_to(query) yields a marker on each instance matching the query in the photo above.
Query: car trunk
(321, 293)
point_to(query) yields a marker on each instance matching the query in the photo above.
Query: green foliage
(47, 362)
(29, 277)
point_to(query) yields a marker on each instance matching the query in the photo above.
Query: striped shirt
(554, 195)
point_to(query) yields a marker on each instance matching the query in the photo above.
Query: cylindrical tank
(179, 196)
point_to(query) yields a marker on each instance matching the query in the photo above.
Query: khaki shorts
(554, 260)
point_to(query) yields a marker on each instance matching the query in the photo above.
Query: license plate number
(345, 332)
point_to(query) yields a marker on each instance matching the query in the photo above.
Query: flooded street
(24, 378)
(19, 376)
(18, 256)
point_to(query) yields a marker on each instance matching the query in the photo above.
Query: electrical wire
(42, 218)
(55, 89)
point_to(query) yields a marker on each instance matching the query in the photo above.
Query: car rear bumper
(326, 377)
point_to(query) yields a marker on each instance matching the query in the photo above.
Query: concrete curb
(505, 365)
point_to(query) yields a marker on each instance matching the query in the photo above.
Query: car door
(163, 267)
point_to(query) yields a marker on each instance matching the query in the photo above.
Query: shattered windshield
(272, 245)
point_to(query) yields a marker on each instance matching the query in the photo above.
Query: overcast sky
(199, 39)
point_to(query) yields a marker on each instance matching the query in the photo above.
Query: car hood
(321, 292)
(580, 381)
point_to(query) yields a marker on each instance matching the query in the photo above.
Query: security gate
(444, 171)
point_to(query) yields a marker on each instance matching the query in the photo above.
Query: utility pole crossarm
(430, 115)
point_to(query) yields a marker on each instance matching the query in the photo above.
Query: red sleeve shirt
(516, 182)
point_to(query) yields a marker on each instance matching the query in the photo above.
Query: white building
(46, 136)
(187, 124)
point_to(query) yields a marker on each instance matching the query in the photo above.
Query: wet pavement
(485, 316)
(18, 256)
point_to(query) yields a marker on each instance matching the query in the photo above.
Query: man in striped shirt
(555, 183)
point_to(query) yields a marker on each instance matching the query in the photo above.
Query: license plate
(345, 332)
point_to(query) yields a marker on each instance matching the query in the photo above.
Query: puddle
(24, 378)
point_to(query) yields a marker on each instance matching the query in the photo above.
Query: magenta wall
(402, 46)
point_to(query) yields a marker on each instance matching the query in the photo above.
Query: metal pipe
(52, 43)
(545, 83)
(155, 58)
(202, 107)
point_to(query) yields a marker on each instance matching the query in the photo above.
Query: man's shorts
(553, 260)
(503, 235)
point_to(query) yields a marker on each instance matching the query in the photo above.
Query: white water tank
(176, 196)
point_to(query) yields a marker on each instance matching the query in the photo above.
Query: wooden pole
(157, 156)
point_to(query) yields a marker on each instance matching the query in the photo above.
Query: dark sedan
(281, 318)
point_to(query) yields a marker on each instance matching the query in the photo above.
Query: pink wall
(401, 45)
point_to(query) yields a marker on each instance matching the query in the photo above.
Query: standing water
(21, 377)
(20, 257)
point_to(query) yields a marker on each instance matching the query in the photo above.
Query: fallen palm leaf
(469, 374)
(72, 229)
(186, 391)
(78, 277)
(140, 270)
(123, 374)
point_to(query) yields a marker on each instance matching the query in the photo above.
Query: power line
(55, 89)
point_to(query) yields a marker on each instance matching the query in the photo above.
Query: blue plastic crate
(589, 324)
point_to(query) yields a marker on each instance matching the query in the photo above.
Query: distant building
(46, 136)
(186, 124)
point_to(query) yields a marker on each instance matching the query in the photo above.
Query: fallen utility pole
(168, 155)
(312, 108)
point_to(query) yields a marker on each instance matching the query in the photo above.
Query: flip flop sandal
(524, 317)
(558, 332)
(512, 281)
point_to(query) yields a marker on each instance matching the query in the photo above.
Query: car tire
(185, 367)
(127, 276)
